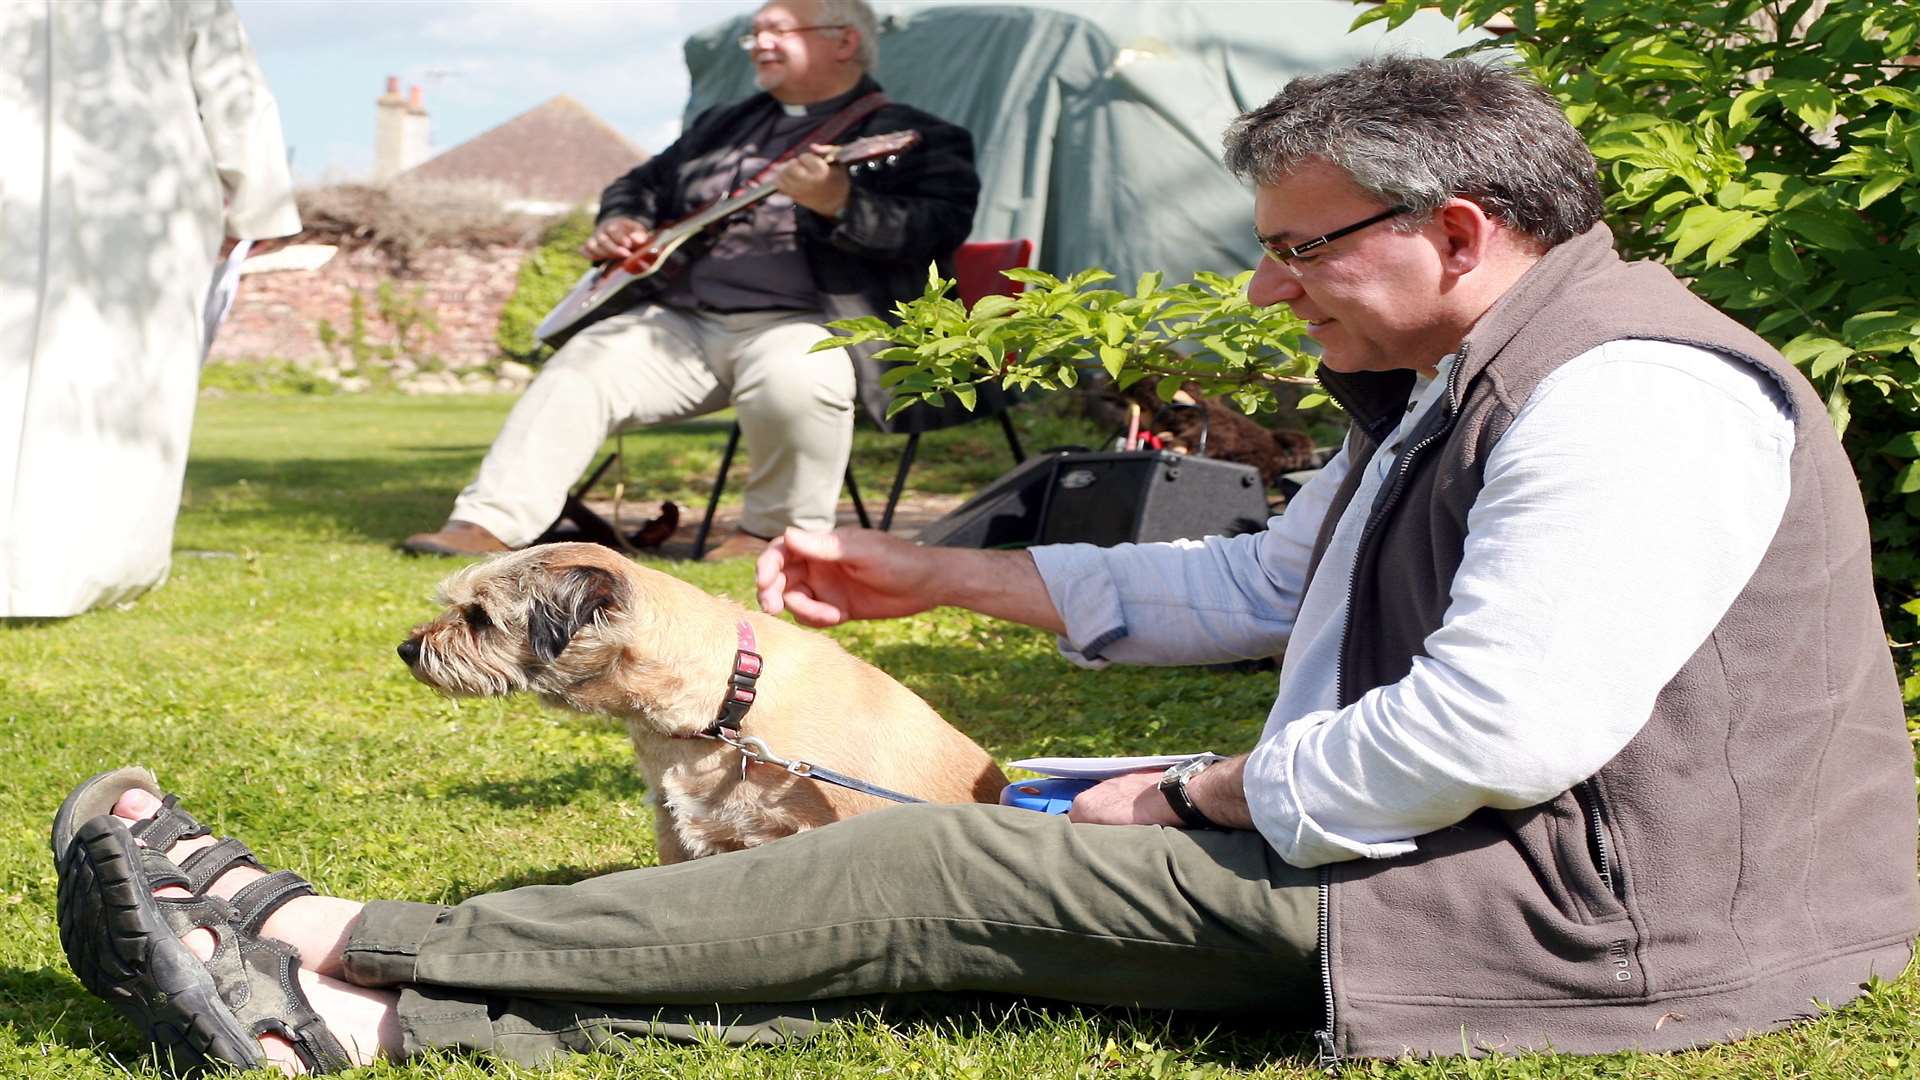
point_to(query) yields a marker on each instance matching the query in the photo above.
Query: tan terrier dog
(584, 628)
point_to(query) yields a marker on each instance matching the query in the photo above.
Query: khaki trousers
(657, 364)
(899, 911)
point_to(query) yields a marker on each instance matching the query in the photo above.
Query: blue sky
(480, 63)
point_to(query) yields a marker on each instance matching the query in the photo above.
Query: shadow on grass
(46, 1001)
(608, 782)
(379, 498)
(1028, 703)
(392, 492)
(34, 1000)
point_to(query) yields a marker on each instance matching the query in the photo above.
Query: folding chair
(976, 272)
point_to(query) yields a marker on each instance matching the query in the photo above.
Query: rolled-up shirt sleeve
(1622, 513)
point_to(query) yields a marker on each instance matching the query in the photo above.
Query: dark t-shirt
(755, 262)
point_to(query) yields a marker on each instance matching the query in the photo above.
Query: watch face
(1186, 770)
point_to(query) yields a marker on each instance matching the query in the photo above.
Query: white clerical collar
(793, 110)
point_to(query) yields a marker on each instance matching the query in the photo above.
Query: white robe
(126, 124)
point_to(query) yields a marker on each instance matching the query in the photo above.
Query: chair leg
(591, 527)
(1013, 440)
(713, 500)
(853, 491)
(899, 480)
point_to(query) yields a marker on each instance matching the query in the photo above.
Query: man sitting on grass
(1587, 736)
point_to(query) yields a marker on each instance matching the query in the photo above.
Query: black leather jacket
(896, 221)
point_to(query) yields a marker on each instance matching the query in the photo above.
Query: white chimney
(399, 131)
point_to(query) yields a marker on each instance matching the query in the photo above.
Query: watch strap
(1173, 785)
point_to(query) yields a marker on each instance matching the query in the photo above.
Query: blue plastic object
(1053, 795)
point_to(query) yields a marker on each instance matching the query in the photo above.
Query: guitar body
(641, 274)
(633, 279)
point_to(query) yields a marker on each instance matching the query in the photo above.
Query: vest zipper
(1329, 1056)
(1589, 799)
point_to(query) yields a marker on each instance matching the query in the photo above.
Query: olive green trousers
(897, 912)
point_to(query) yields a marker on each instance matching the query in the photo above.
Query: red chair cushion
(977, 266)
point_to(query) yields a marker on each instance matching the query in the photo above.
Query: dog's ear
(578, 594)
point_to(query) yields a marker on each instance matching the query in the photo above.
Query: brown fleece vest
(1750, 851)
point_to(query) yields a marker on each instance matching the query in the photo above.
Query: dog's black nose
(410, 651)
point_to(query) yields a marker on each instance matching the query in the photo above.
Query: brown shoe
(454, 538)
(741, 545)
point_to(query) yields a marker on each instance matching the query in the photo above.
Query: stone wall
(276, 315)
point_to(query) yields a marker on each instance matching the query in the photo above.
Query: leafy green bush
(545, 279)
(1204, 331)
(272, 375)
(1766, 150)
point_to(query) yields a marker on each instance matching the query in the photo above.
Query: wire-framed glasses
(752, 37)
(1286, 256)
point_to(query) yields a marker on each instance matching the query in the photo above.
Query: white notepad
(1099, 768)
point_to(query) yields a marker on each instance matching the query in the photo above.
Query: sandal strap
(204, 867)
(273, 977)
(256, 976)
(161, 872)
(264, 896)
(168, 826)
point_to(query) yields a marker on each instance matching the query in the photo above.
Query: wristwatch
(1173, 784)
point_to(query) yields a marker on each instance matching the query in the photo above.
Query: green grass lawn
(261, 683)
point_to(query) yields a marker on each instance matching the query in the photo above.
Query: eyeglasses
(1286, 256)
(752, 37)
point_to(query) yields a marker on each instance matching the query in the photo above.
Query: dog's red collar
(740, 686)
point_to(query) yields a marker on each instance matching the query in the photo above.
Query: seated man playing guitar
(730, 316)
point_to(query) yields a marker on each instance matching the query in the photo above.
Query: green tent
(1097, 125)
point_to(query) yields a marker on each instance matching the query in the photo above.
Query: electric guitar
(592, 294)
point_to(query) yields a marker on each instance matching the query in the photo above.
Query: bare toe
(137, 804)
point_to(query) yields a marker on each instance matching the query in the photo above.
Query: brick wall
(276, 313)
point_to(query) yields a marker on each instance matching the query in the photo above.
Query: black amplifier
(1129, 496)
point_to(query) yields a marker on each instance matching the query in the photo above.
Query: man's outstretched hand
(829, 578)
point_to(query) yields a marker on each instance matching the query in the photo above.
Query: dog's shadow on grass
(587, 781)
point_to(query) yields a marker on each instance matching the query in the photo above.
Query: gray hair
(1416, 132)
(857, 14)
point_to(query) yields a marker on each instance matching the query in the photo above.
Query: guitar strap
(857, 110)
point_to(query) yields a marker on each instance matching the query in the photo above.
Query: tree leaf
(1696, 227)
(1784, 260)
(1908, 481)
(1839, 411)
(1895, 96)
(1873, 190)
(1806, 347)
(1735, 229)
(1905, 444)
(1826, 362)
(1745, 103)
(1823, 227)
(992, 307)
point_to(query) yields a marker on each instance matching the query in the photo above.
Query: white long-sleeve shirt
(1622, 512)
